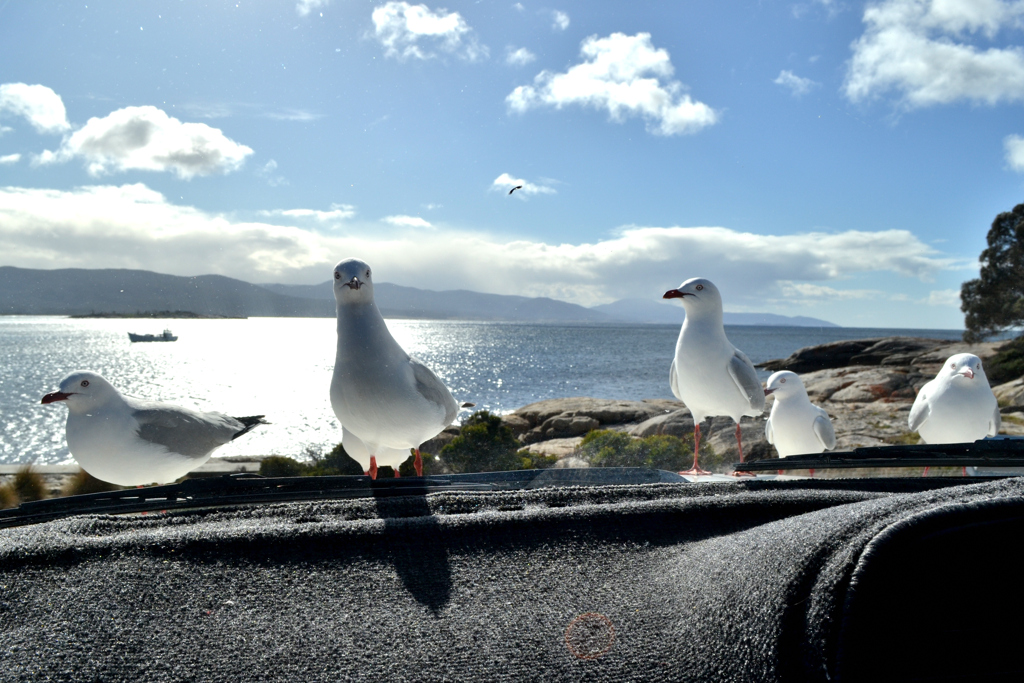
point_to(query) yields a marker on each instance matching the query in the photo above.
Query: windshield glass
(312, 237)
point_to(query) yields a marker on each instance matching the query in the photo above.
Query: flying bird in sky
(517, 187)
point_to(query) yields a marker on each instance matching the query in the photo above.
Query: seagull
(387, 401)
(710, 375)
(795, 425)
(517, 187)
(132, 442)
(958, 406)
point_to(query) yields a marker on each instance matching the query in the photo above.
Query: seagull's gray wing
(769, 433)
(186, 432)
(745, 377)
(824, 430)
(672, 380)
(434, 390)
(920, 411)
(997, 421)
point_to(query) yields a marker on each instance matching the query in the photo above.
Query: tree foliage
(995, 301)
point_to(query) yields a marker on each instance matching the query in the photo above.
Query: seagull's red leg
(811, 471)
(925, 474)
(739, 445)
(696, 469)
(418, 463)
(373, 467)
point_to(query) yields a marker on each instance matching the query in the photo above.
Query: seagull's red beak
(54, 397)
(967, 372)
(674, 294)
(769, 392)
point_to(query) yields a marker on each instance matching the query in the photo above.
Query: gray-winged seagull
(387, 401)
(796, 426)
(710, 375)
(131, 442)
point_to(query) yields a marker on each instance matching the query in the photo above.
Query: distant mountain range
(76, 291)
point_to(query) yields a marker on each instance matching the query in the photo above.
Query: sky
(841, 160)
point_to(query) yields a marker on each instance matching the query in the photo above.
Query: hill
(651, 312)
(77, 291)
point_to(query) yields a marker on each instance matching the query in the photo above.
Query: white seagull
(132, 442)
(795, 425)
(710, 375)
(387, 401)
(958, 406)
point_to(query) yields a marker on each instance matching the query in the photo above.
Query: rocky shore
(867, 386)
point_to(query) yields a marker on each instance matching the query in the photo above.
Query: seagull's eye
(953, 365)
(699, 287)
(85, 382)
(337, 275)
(367, 273)
(782, 381)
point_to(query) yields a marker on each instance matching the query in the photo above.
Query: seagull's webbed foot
(372, 472)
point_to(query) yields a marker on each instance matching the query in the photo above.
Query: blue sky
(833, 159)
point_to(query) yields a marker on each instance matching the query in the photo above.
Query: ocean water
(282, 367)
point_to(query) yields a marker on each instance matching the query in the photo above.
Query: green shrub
(8, 499)
(83, 483)
(334, 463)
(535, 461)
(28, 485)
(431, 465)
(282, 466)
(1008, 363)
(609, 448)
(484, 444)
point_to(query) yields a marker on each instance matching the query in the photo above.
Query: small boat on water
(167, 336)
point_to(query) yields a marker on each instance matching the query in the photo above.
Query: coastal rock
(677, 423)
(884, 351)
(562, 418)
(1010, 395)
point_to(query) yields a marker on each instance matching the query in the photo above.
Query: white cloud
(304, 7)
(408, 221)
(268, 172)
(807, 293)
(943, 297)
(146, 138)
(338, 212)
(626, 76)
(9, 159)
(415, 31)
(519, 57)
(799, 86)
(41, 106)
(1014, 146)
(132, 226)
(505, 182)
(920, 50)
(560, 20)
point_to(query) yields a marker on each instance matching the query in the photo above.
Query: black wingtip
(250, 423)
(467, 404)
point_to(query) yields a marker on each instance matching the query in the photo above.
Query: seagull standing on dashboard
(710, 375)
(387, 401)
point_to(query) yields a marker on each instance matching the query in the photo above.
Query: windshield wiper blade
(249, 488)
(1001, 451)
